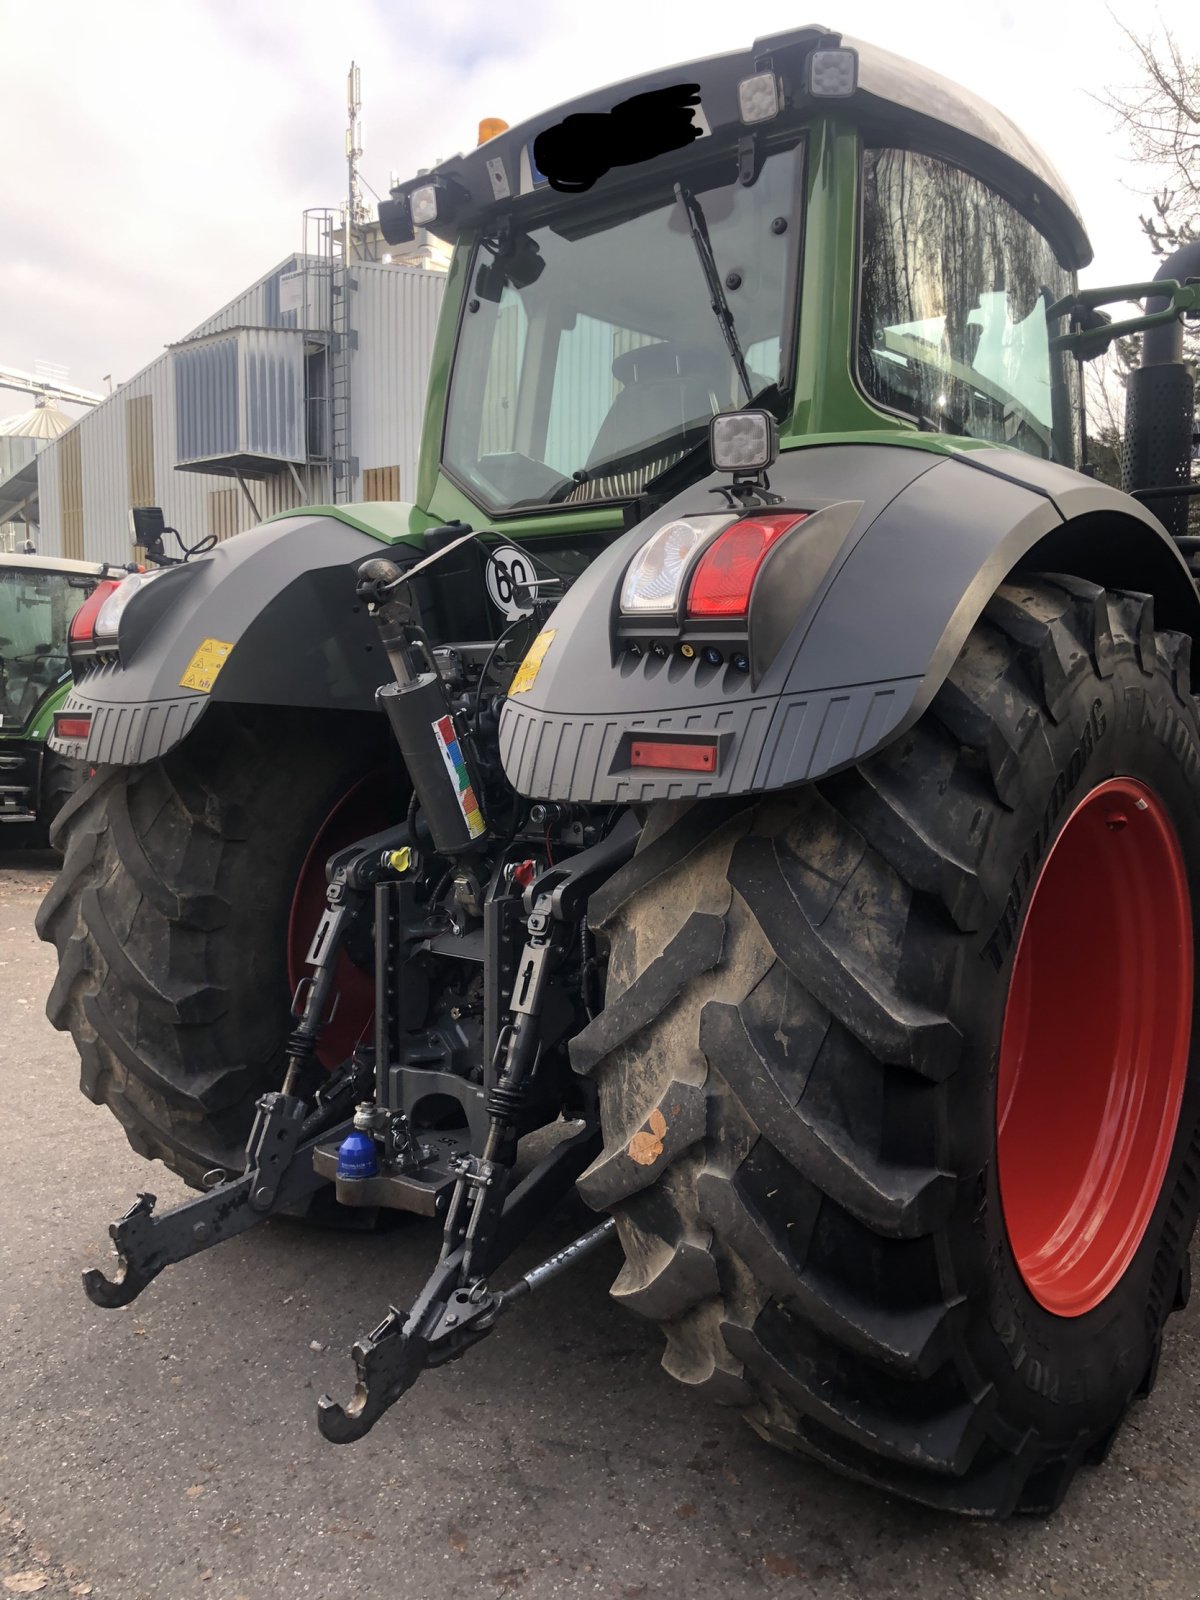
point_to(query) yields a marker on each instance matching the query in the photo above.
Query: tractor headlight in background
(743, 441)
(833, 74)
(108, 619)
(758, 97)
(655, 576)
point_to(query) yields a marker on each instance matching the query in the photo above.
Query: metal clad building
(248, 392)
(393, 308)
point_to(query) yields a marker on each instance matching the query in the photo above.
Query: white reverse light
(423, 206)
(758, 97)
(832, 74)
(655, 576)
(108, 619)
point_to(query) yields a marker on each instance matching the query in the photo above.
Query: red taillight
(72, 725)
(725, 573)
(83, 623)
(674, 757)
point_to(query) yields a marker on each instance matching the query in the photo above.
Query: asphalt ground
(170, 1449)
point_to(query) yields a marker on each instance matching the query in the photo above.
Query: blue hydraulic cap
(357, 1156)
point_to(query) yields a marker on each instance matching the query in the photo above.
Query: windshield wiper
(700, 238)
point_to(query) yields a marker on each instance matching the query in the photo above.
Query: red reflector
(674, 757)
(83, 623)
(725, 573)
(72, 727)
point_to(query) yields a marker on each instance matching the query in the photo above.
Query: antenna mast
(356, 212)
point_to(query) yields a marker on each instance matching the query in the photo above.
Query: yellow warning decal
(204, 666)
(531, 666)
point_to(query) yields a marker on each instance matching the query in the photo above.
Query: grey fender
(866, 606)
(281, 595)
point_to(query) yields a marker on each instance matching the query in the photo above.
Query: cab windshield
(590, 357)
(35, 612)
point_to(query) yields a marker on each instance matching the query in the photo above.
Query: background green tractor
(752, 435)
(39, 595)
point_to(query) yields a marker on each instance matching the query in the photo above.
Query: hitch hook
(127, 1234)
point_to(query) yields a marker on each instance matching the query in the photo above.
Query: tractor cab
(39, 596)
(812, 227)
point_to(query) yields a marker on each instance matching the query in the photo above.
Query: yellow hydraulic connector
(489, 127)
(399, 860)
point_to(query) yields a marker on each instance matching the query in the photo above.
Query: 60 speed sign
(508, 569)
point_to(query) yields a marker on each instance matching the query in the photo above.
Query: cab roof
(896, 100)
(36, 563)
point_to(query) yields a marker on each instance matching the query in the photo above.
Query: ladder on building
(327, 316)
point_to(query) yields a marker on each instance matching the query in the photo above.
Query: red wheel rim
(359, 813)
(1094, 1051)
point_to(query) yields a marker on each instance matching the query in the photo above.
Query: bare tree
(1160, 115)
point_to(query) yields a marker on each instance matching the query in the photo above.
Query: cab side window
(952, 317)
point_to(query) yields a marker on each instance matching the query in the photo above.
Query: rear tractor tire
(897, 1073)
(61, 777)
(173, 912)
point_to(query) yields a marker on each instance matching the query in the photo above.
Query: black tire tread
(169, 917)
(825, 1319)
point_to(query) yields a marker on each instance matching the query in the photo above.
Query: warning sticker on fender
(531, 666)
(456, 766)
(205, 665)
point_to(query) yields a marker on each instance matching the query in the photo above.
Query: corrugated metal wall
(104, 446)
(139, 428)
(272, 365)
(16, 451)
(70, 493)
(206, 399)
(381, 483)
(240, 392)
(395, 310)
(49, 498)
(255, 307)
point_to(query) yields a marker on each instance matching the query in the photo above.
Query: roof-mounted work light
(758, 97)
(423, 205)
(833, 74)
(394, 221)
(436, 200)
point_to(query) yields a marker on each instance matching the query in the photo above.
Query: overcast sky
(155, 158)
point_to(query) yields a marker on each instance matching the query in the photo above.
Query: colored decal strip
(456, 766)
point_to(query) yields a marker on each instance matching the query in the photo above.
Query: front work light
(833, 74)
(655, 576)
(758, 97)
(742, 441)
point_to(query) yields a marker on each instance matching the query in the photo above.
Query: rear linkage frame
(289, 1146)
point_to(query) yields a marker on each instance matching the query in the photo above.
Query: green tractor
(39, 596)
(761, 754)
